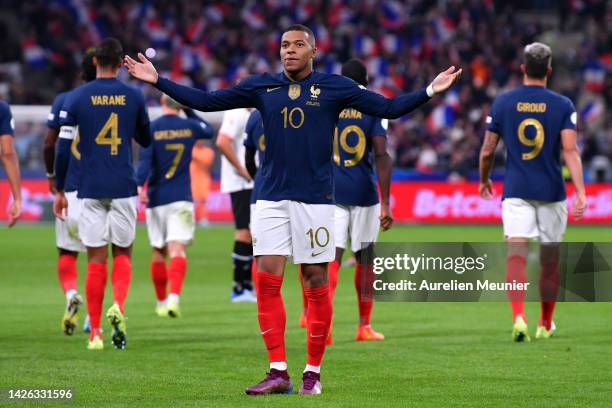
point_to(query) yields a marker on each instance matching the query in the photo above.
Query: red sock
(176, 274)
(254, 274)
(363, 286)
(271, 315)
(549, 284)
(332, 273)
(515, 271)
(304, 299)
(122, 274)
(67, 272)
(318, 320)
(95, 283)
(159, 276)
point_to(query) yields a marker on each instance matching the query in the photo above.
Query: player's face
(296, 52)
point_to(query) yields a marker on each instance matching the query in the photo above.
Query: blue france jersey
(354, 170)
(109, 114)
(7, 126)
(165, 164)
(530, 119)
(53, 122)
(256, 139)
(299, 119)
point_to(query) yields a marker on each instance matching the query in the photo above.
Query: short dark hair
(356, 70)
(109, 53)
(303, 28)
(538, 59)
(88, 68)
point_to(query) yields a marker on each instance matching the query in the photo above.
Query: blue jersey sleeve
(142, 134)
(202, 129)
(357, 96)
(144, 165)
(62, 160)
(249, 140)
(53, 120)
(240, 96)
(67, 114)
(570, 117)
(7, 125)
(379, 127)
(493, 120)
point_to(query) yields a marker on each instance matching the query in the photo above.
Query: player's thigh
(519, 218)
(342, 220)
(181, 222)
(552, 220)
(122, 221)
(272, 232)
(156, 226)
(312, 232)
(93, 222)
(364, 226)
(241, 208)
(67, 231)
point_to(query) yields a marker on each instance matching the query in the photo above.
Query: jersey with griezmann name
(299, 119)
(109, 114)
(53, 122)
(7, 125)
(354, 170)
(530, 119)
(165, 164)
(255, 139)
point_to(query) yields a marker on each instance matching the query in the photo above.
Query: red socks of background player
(549, 284)
(95, 283)
(363, 286)
(67, 272)
(271, 315)
(174, 274)
(318, 321)
(515, 271)
(159, 276)
(122, 275)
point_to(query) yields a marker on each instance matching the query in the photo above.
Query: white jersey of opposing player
(233, 126)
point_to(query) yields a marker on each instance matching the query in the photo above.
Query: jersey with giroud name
(53, 122)
(255, 139)
(109, 114)
(530, 119)
(7, 125)
(165, 164)
(354, 180)
(299, 119)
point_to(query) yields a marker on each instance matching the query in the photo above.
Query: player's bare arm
(487, 157)
(11, 166)
(224, 143)
(571, 156)
(384, 166)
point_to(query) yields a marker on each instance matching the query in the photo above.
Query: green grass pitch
(435, 355)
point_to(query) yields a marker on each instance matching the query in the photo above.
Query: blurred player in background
(294, 210)
(67, 237)
(359, 141)
(164, 166)
(236, 181)
(109, 114)
(537, 126)
(10, 161)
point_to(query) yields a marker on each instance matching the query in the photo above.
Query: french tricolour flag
(592, 111)
(441, 117)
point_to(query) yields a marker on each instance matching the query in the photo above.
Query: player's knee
(158, 255)
(63, 252)
(176, 249)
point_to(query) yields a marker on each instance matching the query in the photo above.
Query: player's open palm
(445, 79)
(60, 206)
(486, 190)
(143, 70)
(579, 206)
(14, 213)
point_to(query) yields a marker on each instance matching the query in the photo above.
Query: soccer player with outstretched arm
(538, 126)
(109, 114)
(294, 210)
(164, 166)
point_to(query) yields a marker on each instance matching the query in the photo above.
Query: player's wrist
(50, 175)
(430, 90)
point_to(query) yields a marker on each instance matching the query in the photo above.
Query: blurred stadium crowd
(208, 44)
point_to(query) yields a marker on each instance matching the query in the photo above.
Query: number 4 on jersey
(111, 126)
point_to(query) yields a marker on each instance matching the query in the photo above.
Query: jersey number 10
(537, 142)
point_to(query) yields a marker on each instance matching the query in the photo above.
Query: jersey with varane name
(354, 177)
(233, 125)
(109, 114)
(530, 119)
(255, 139)
(299, 120)
(165, 164)
(53, 122)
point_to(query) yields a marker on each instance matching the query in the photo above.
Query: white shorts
(360, 224)
(534, 219)
(292, 228)
(108, 220)
(171, 222)
(252, 214)
(67, 231)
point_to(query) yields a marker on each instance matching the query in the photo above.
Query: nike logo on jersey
(316, 253)
(273, 89)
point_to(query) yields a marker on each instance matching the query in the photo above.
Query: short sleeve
(7, 124)
(379, 127)
(570, 118)
(68, 112)
(493, 120)
(53, 121)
